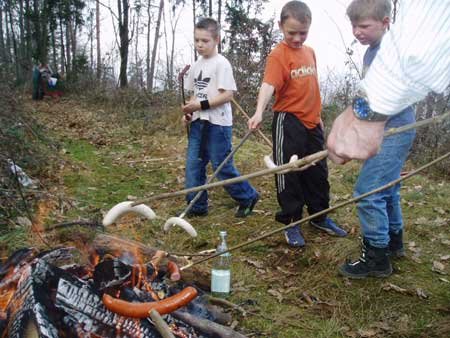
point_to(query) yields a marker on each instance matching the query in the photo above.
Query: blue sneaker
(329, 227)
(294, 237)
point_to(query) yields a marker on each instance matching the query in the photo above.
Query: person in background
(210, 117)
(291, 73)
(411, 60)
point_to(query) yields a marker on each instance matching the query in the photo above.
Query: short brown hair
(297, 10)
(369, 9)
(210, 25)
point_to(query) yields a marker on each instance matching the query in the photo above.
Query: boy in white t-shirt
(210, 117)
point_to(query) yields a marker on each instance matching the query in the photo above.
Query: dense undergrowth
(117, 147)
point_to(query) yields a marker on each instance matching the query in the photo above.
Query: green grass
(99, 176)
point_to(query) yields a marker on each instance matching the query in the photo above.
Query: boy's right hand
(254, 122)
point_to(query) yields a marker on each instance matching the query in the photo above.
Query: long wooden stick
(290, 166)
(323, 212)
(265, 138)
(296, 165)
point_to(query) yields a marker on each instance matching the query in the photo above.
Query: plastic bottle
(221, 270)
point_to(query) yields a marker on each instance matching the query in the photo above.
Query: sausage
(142, 310)
(125, 207)
(174, 271)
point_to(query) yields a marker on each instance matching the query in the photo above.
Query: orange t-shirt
(293, 73)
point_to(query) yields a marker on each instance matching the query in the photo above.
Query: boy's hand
(191, 106)
(186, 119)
(351, 138)
(254, 122)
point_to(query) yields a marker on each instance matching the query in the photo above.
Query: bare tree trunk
(2, 41)
(28, 32)
(8, 38)
(166, 38)
(97, 21)
(63, 53)
(194, 20)
(21, 48)
(13, 36)
(124, 41)
(210, 9)
(68, 49)
(54, 61)
(155, 44)
(91, 40)
(149, 20)
(219, 20)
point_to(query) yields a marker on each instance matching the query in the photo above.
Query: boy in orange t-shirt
(291, 74)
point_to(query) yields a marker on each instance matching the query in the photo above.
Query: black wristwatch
(362, 110)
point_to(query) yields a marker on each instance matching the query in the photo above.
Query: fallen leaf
(421, 220)
(444, 258)
(439, 210)
(367, 333)
(289, 273)
(446, 242)
(421, 293)
(390, 286)
(23, 221)
(255, 263)
(276, 294)
(438, 267)
(444, 280)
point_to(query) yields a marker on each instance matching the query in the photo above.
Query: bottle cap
(223, 233)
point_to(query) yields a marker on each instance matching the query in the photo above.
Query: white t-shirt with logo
(205, 79)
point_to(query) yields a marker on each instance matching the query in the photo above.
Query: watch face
(361, 108)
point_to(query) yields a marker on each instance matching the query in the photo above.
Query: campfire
(110, 294)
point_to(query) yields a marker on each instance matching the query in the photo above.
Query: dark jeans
(295, 189)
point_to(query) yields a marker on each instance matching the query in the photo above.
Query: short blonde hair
(369, 9)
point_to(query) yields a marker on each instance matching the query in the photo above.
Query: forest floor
(106, 158)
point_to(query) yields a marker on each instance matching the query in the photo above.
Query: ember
(50, 295)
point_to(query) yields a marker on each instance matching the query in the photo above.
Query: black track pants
(295, 189)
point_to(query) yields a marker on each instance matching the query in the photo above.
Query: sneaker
(329, 227)
(193, 213)
(294, 237)
(245, 210)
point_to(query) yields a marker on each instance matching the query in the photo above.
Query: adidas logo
(201, 83)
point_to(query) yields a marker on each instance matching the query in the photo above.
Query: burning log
(29, 308)
(85, 310)
(108, 244)
(161, 325)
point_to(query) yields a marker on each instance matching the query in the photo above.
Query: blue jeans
(380, 213)
(210, 142)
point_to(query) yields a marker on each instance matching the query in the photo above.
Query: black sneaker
(193, 213)
(246, 210)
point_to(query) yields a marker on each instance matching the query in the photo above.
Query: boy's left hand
(191, 106)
